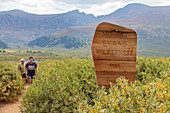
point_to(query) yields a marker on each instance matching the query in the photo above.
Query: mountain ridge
(151, 23)
(18, 25)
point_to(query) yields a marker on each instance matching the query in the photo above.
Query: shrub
(149, 69)
(71, 86)
(11, 82)
(60, 85)
(122, 98)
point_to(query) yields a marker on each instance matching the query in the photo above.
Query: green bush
(125, 98)
(10, 82)
(60, 85)
(149, 69)
(71, 86)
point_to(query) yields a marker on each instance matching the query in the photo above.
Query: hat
(22, 59)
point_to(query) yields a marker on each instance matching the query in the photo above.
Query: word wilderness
(114, 53)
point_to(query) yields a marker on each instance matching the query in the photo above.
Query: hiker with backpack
(21, 68)
(31, 69)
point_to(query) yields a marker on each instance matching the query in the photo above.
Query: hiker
(21, 68)
(31, 69)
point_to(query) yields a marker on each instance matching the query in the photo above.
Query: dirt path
(12, 107)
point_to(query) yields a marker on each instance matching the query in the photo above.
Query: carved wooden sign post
(114, 53)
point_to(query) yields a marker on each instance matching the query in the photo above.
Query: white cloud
(96, 7)
(102, 9)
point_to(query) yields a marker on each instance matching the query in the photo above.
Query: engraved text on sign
(114, 53)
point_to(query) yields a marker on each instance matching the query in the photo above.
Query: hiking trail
(13, 107)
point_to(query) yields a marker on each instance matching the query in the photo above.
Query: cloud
(102, 9)
(96, 7)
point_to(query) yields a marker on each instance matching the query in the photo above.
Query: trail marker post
(114, 53)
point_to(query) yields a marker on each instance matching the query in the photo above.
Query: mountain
(140, 13)
(75, 29)
(19, 26)
(130, 11)
(3, 45)
(75, 37)
(153, 40)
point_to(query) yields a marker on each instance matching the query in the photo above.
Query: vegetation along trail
(12, 107)
(70, 86)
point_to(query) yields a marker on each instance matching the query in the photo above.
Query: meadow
(70, 86)
(14, 55)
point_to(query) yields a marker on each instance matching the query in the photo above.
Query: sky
(96, 7)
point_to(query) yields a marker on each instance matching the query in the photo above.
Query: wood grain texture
(114, 53)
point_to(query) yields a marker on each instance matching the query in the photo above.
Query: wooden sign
(114, 53)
